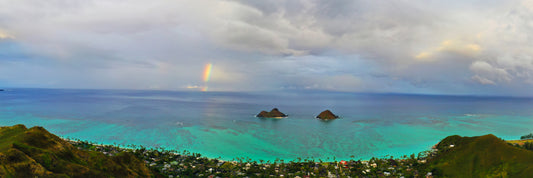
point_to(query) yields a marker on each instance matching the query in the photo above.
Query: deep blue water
(222, 124)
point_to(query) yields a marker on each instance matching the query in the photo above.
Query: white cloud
(483, 80)
(5, 35)
(347, 45)
(485, 73)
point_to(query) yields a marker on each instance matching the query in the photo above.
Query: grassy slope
(519, 142)
(483, 156)
(35, 152)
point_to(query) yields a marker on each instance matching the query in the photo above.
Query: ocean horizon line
(304, 91)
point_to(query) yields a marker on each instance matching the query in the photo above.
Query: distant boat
(2, 90)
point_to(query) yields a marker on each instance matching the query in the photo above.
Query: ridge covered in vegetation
(482, 156)
(35, 152)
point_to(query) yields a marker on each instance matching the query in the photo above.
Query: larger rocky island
(274, 113)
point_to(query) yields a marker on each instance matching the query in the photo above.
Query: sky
(477, 47)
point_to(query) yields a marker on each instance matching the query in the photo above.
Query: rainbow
(207, 72)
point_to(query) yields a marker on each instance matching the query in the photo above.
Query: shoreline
(271, 117)
(172, 162)
(236, 159)
(519, 142)
(242, 160)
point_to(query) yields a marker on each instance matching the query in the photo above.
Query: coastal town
(170, 163)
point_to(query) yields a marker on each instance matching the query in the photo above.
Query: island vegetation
(35, 152)
(274, 113)
(327, 115)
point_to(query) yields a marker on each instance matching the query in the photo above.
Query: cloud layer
(437, 47)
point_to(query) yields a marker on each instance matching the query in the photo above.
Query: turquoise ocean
(223, 124)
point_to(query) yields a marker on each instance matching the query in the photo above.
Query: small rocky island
(274, 113)
(327, 115)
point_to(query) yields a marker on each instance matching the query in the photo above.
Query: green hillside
(35, 152)
(482, 156)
